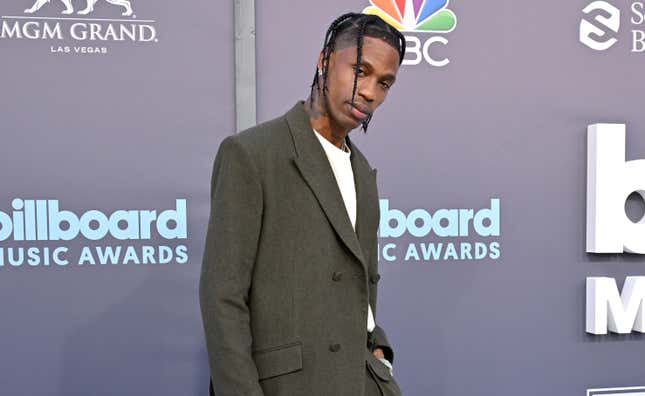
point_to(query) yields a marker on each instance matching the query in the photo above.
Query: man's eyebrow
(387, 76)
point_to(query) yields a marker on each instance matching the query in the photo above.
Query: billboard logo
(444, 222)
(69, 9)
(610, 180)
(593, 36)
(38, 233)
(417, 16)
(463, 234)
(42, 220)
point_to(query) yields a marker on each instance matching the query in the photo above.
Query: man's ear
(320, 60)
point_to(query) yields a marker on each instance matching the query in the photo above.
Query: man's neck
(319, 120)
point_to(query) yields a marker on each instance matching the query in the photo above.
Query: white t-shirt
(342, 168)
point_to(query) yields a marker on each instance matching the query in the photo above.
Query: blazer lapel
(314, 167)
(366, 198)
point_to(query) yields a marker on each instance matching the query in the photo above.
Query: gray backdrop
(137, 128)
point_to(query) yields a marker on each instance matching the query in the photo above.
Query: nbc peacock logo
(418, 16)
(415, 15)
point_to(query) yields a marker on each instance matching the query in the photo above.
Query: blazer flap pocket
(278, 360)
(381, 370)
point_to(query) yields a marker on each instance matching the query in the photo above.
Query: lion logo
(69, 9)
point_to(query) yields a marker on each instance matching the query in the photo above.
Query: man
(289, 278)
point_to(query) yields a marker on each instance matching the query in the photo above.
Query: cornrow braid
(328, 46)
(359, 55)
(358, 25)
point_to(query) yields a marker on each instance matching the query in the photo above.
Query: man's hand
(378, 352)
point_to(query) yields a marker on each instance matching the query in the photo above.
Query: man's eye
(385, 85)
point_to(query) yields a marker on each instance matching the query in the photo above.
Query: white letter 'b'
(610, 180)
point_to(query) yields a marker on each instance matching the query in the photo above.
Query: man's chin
(353, 122)
(348, 123)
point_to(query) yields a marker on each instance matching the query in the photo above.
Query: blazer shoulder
(264, 135)
(262, 143)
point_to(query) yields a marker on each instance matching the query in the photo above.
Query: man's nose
(367, 90)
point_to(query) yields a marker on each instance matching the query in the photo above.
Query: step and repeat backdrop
(509, 156)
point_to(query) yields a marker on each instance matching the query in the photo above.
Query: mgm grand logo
(69, 9)
(79, 30)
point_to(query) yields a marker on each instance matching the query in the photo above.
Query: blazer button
(375, 278)
(337, 276)
(334, 347)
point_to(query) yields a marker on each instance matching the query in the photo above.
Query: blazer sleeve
(229, 257)
(378, 334)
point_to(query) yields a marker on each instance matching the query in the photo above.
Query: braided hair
(349, 28)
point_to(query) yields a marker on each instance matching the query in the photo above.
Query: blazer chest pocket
(279, 360)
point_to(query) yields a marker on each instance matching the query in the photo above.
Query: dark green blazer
(285, 279)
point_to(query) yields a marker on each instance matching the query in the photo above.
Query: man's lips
(359, 112)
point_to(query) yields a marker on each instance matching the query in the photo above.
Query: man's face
(379, 65)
